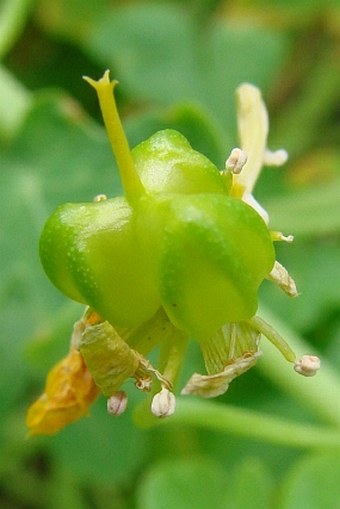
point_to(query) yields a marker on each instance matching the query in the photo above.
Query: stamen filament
(172, 353)
(273, 336)
(131, 182)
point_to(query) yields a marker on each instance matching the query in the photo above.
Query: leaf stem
(214, 416)
(132, 184)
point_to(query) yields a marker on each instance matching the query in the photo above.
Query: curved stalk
(246, 423)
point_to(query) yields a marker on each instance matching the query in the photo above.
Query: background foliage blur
(178, 64)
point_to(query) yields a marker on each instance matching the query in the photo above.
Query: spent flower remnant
(181, 255)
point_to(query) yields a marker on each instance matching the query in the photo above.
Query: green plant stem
(246, 423)
(321, 393)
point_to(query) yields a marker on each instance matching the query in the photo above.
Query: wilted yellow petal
(69, 391)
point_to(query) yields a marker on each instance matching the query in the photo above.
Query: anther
(278, 236)
(308, 365)
(100, 197)
(117, 403)
(163, 403)
(236, 160)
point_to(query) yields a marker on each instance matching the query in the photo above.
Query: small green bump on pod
(166, 163)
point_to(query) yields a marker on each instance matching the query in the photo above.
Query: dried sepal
(210, 386)
(111, 360)
(108, 357)
(280, 276)
(69, 391)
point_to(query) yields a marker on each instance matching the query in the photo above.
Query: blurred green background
(178, 64)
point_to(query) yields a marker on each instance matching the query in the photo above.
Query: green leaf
(310, 105)
(71, 19)
(101, 447)
(162, 57)
(143, 43)
(183, 483)
(71, 493)
(254, 474)
(307, 213)
(190, 119)
(314, 482)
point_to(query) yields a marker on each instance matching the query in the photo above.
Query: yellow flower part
(69, 391)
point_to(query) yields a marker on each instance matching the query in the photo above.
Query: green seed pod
(176, 240)
(215, 252)
(90, 252)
